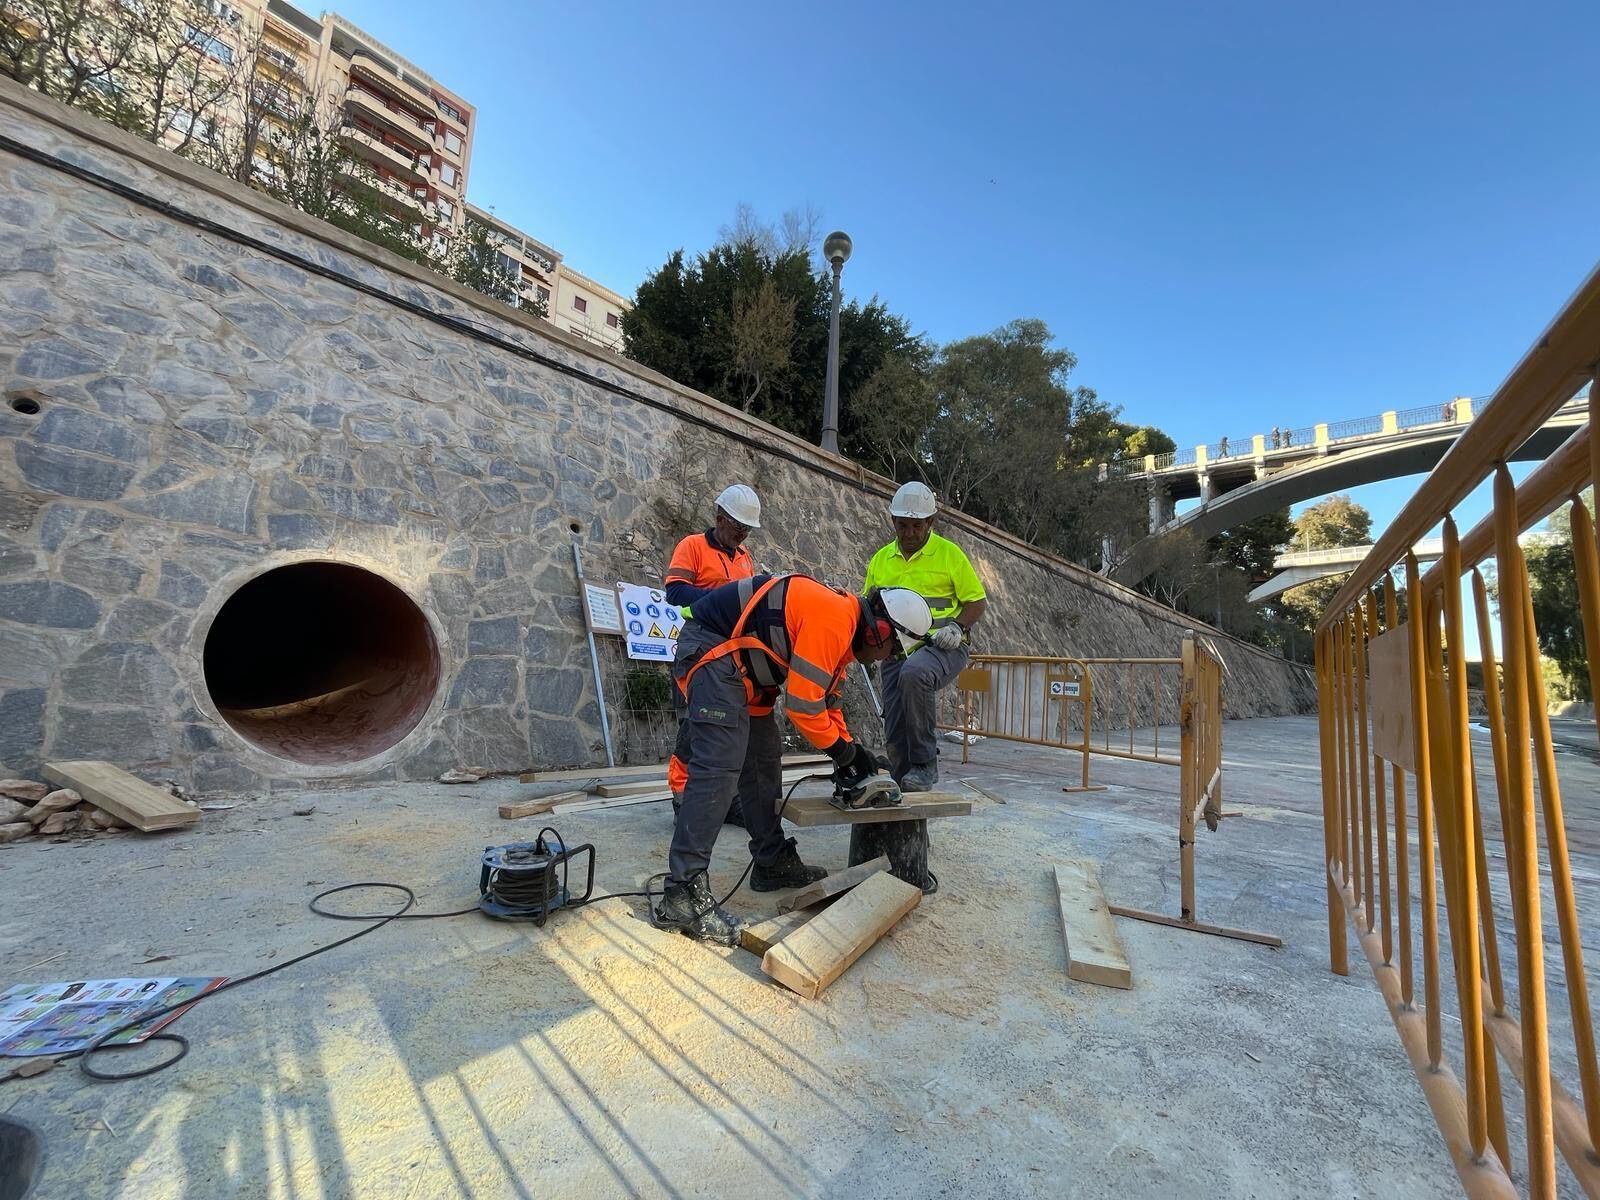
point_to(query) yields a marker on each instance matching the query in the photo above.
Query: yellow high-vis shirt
(939, 573)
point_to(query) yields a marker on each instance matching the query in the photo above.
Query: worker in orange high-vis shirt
(744, 643)
(700, 562)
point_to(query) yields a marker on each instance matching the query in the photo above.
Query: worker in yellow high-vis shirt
(937, 570)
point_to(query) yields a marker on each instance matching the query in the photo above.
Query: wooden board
(813, 956)
(612, 790)
(836, 884)
(1389, 697)
(591, 804)
(144, 806)
(760, 938)
(806, 811)
(645, 771)
(1094, 952)
(532, 808)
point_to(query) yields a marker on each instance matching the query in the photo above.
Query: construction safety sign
(651, 625)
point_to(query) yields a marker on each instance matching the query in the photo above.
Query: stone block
(51, 803)
(297, 531)
(231, 432)
(124, 736)
(56, 358)
(22, 729)
(12, 810)
(484, 682)
(490, 565)
(68, 473)
(222, 502)
(554, 742)
(372, 506)
(94, 566)
(554, 691)
(26, 792)
(498, 636)
(73, 429)
(180, 586)
(210, 278)
(122, 673)
(136, 618)
(53, 605)
(14, 831)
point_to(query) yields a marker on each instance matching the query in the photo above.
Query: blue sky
(1236, 214)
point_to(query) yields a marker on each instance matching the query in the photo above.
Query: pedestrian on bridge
(1222, 448)
(1277, 438)
(940, 572)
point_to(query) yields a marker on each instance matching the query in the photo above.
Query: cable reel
(527, 881)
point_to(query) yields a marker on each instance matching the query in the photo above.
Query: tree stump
(906, 845)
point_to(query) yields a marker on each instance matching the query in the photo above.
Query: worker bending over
(937, 570)
(744, 643)
(700, 562)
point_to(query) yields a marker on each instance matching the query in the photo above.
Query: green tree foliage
(1553, 580)
(1139, 440)
(475, 260)
(1326, 525)
(1253, 547)
(747, 323)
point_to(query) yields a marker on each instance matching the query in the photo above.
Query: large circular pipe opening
(321, 663)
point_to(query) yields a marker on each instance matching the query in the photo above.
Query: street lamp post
(836, 249)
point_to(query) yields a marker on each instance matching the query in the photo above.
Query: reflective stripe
(681, 575)
(938, 602)
(747, 589)
(810, 707)
(780, 642)
(938, 621)
(809, 670)
(764, 672)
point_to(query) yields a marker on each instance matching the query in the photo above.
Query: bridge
(1238, 480)
(1295, 567)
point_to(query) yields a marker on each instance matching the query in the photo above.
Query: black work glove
(853, 762)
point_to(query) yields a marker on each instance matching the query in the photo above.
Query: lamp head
(836, 248)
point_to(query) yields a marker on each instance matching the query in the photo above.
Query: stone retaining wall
(224, 386)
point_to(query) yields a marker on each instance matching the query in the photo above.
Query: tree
(183, 71)
(1140, 440)
(1557, 613)
(716, 323)
(475, 260)
(72, 50)
(1254, 547)
(1328, 524)
(761, 334)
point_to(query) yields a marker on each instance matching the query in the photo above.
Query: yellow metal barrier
(1393, 709)
(1054, 702)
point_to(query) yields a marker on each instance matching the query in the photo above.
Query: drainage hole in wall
(321, 663)
(26, 405)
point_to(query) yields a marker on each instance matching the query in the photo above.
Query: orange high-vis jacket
(700, 565)
(821, 624)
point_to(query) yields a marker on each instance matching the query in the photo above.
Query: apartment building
(588, 308)
(572, 301)
(413, 132)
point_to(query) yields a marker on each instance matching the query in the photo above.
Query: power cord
(101, 1044)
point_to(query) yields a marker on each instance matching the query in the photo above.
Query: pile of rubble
(28, 808)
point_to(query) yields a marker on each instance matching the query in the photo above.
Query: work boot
(784, 871)
(691, 909)
(920, 777)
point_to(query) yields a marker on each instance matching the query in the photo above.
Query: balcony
(274, 101)
(284, 64)
(368, 67)
(408, 206)
(378, 152)
(402, 120)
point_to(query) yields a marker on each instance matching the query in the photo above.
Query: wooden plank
(813, 956)
(590, 804)
(1389, 697)
(806, 811)
(1094, 952)
(610, 790)
(760, 938)
(613, 790)
(144, 806)
(834, 885)
(533, 808)
(656, 771)
(1155, 918)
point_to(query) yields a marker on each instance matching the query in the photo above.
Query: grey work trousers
(910, 703)
(724, 741)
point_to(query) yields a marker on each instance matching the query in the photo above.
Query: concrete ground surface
(600, 1057)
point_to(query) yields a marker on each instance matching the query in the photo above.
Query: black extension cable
(101, 1044)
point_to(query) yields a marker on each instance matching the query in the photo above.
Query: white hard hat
(909, 613)
(913, 500)
(741, 503)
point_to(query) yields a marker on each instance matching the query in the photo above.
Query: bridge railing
(1357, 427)
(1483, 815)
